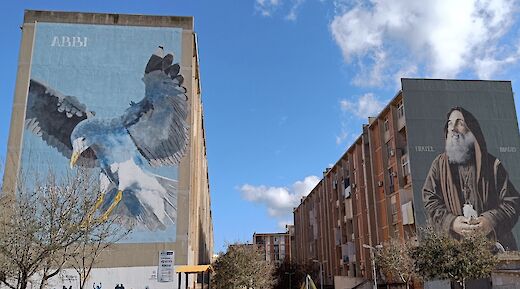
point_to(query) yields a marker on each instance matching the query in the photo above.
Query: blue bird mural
(150, 133)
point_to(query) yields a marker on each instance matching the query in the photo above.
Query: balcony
(386, 135)
(348, 209)
(407, 179)
(401, 123)
(347, 192)
(407, 213)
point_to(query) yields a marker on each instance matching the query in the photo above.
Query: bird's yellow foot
(116, 201)
(98, 203)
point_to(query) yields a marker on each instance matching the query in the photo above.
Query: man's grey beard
(460, 147)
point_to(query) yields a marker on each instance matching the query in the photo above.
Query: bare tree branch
(46, 222)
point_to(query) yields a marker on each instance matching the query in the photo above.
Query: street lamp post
(289, 273)
(372, 250)
(321, 271)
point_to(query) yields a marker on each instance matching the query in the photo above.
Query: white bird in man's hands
(150, 132)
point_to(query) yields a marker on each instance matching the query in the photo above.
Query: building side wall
(201, 229)
(14, 145)
(194, 234)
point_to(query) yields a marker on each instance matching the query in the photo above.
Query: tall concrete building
(401, 174)
(119, 93)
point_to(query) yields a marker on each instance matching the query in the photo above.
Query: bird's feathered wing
(157, 124)
(52, 116)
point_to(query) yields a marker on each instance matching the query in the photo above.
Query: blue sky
(287, 84)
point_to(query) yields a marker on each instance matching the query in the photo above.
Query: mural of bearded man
(468, 189)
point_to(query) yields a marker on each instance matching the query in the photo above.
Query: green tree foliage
(243, 266)
(395, 261)
(439, 256)
(293, 274)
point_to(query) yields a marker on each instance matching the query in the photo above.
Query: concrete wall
(194, 235)
(343, 282)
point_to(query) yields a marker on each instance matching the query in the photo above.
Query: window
(389, 150)
(346, 183)
(385, 124)
(400, 110)
(260, 240)
(391, 176)
(346, 190)
(406, 165)
(393, 209)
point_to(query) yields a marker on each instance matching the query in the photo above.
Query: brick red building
(276, 246)
(364, 198)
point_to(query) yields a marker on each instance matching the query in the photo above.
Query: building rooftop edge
(284, 233)
(185, 22)
(450, 79)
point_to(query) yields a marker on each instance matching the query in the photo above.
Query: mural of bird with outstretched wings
(152, 132)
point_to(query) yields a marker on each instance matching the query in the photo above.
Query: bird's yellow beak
(74, 159)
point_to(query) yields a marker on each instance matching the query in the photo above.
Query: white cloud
(269, 7)
(443, 37)
(373, 74)
(362, 107)
(283, 223)
(406, 70)
(342, 135)
(489, 65)
(345, 136)
(279, 201)
(266, 7)
(294, 10)
(365, 106)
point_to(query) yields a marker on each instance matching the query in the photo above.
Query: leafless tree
(45, 223)
(100, 234)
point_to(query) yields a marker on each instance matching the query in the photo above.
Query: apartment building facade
(277, 247)
(374, 192)
(74, 67)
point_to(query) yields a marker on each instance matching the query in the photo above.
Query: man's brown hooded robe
(494, 197)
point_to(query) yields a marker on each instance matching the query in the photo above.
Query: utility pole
(321, 271)
(289, 273)
(372, 256)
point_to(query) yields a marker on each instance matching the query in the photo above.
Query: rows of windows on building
(276, 247)
(364, 199)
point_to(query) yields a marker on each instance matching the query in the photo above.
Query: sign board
(166, 266)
